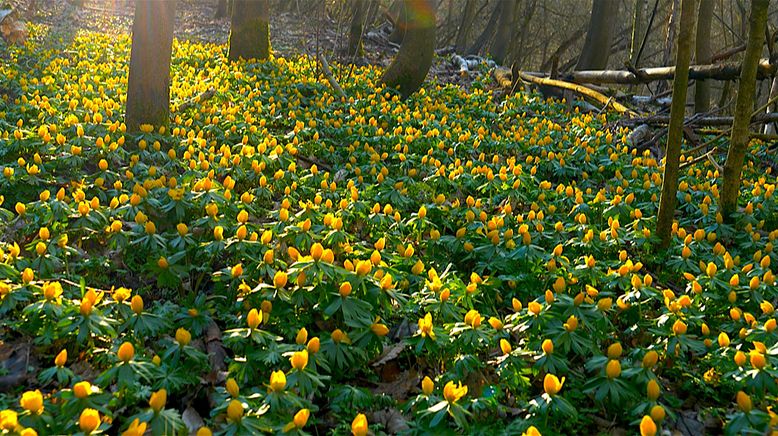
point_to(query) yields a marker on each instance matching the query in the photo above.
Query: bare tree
(502, 40)
(738, 140)
(468, 16)
(597, 46)
(148, 84)
(703, 54)
(250, 30)
(683, 56)
(358, 13)
(411, 64)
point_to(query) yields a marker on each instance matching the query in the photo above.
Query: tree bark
(487, 33)
(468, 16)
(597, 46)
(672, 17)
(412, 63)
(502, 39)
(668, 198)
(744, 105)
(148, 84)
(359, 9)
(638, 30)
(400, 23)
(703, 54)
(221, 9)
(250, 30)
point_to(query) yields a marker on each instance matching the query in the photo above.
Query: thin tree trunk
(597, 46)
(638, 30)
(359, 9)
(488, 32)
(412, 63)
(668, 199)
(148, 84)
(502, 39)
(703, 54)
(468, 16)
(738, 141)
(250, 30)
(400, 23)
(667, 54)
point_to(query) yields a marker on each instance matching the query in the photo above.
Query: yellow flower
(158, 400)
(8, 420)
(313, 345)
(235, 411)
(302, 336)
(552, 385)
(547, 346)
(277, 381)
(572, 324)
(505, 346)
(359, 425)
(254, 318)
(473, 318)
(301, 418)
(232, 387)
(614, 351)
(427, 385)
(61, 358)
(183, 337)
(137, 304)
(425, 326)
(613, 369)
(657, 413)
(652, 390)
(27, 275)
(647, 426)
(679, 327)
(650, 359)
(531, 431)
(32, 401)
(723, 340)
(203, 431)
(279, 279)
(757, 359)
(82, 389)
(452, 392)
(89, 420)
(299, 360)
(744, 402)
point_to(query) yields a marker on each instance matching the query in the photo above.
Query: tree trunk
(738, 141)
(502, 39)
(597, 46)
(668, 199)
(488, 31)
(468, 16)
(148, 84)
(358, 9)
(400, 23)
(250, 30)
(703, 54)
(411, 64)
(221, 9)
(667, 54)
(638, 30)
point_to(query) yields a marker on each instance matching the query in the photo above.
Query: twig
(325, 68)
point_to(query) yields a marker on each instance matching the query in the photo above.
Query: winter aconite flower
(158, 400)
(427, 386)
(61, 358)
(277, 381)
(32, 401)
(744, 402)
(235, 411)
(453, 392)
(552, 385)
(425, 326)
(647, 426)
(359, 425)
(89, 420)
(299, 360)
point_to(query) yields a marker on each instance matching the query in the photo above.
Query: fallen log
(724, 71)
(504, 75)
(705, 121)
(325, 68)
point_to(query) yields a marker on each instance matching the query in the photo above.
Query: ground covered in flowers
(281, 259)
